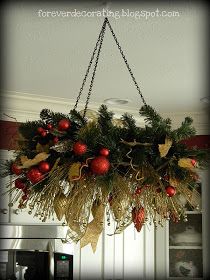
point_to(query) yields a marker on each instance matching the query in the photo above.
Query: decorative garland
(73, 166)
(76, 165)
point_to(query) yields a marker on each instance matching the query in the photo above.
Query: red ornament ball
(138, 191)
(34, 175)
(100, 165)
(194, 162)
(40, 130)
(55, 140)
(44, 166)
(170, 191)
(16, 170)
(19, 184)
(64, 124)
(79, 148)
(104, 152)
(43, 133)
(166, 177)
(49, 126)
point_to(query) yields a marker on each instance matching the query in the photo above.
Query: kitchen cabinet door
(4, 191)
(182, 248)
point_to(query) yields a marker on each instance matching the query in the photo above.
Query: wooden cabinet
(181, 248)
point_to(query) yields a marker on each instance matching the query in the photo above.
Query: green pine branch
(105, 119)
(160, 125)
(77, 117)
(50, 117)
(184, 131)
(29, 129)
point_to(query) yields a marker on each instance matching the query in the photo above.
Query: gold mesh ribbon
(121, 203)
(95, 227)
(59, 204)
(79, 203)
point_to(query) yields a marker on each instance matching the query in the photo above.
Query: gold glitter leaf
(164, 148)
(91, 115)
(42, 148)
(27, 163)
(75, 171)
(185, 163)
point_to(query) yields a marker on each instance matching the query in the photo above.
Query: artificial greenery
(147, 168)
(103, 133)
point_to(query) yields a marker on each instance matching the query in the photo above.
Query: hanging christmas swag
(80, 167)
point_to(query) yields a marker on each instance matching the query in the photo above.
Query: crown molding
(19, 106)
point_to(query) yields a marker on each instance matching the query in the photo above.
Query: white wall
(129, 255)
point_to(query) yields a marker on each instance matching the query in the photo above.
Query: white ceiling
(49, 55)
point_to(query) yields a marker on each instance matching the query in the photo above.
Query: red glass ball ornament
(40, 130)
(49, 126)
(34, 175)
(100, 165)
(16, 170)
(19, 184)
(194, 162)
(64, 124)
(104, 152)
(43, 133)
(55, 140)
(166, 177)
(138, 190)
(79, 148)
(170, 191)
(44, 166)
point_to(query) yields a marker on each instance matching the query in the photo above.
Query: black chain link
(89, 66)
(95, 67)
(126, 63)
(98, 46)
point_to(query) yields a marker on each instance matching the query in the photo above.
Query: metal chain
(126, 62)
(98, 46)
(95, 66)
(89, 66)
